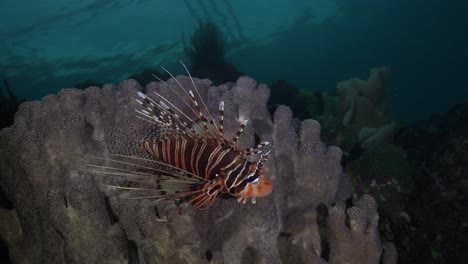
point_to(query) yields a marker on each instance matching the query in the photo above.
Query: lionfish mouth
(188, 157)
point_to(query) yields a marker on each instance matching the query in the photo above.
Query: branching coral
(362, 102)
(360, 107)
(354, 243)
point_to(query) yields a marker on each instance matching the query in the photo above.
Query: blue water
(53, 44)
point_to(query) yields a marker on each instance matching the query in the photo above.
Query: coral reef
(361, 107)
(384, 172)
(435, 226)
(355, 115)
(362, 101)
(363, 221)
(60, 213)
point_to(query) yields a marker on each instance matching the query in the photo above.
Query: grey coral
(61, 214)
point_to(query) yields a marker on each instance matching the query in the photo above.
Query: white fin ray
(163, 181)
(165, 113)
(256, 149)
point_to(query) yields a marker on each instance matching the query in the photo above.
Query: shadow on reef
(89, 83)
(305, 104)
(9, 104)
(148, 75)
(206, 51)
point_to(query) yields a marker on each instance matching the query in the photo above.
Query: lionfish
(191, 159)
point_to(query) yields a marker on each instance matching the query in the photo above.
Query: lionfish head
(258, 184)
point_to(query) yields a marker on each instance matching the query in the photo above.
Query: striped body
(220, 164)
(199, 158)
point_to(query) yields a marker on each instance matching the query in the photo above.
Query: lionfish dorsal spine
(238, 133)
(221, 124)
(160, 113)
(201, 117)
(255, 150)
(184, 124)
(204, 131)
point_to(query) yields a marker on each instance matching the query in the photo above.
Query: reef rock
(54, 211)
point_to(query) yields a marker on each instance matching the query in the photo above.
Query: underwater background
(49, 45)
(412, 53)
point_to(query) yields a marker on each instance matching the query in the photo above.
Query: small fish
(191, 159)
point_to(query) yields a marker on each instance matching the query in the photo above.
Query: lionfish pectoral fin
(165, 189)
(148, 179)
(203, 200)
(242, 200)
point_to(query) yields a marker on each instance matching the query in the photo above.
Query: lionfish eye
(252, 179)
